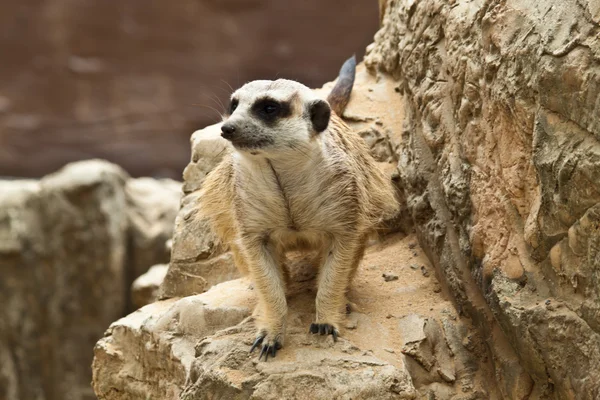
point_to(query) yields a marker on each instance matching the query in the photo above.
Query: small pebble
(389, 350)
(412, 245)
(437, 289)
(424, 271)
(389, 277)
(446, 375)
(389, 316)
(414, 266)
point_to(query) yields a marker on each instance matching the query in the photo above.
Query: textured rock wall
(500, 166)
(70, 246)
(128, 80)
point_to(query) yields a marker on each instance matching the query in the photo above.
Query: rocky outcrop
(144, 290)
(196, 347)
(69, 246)
(127, 82)
(149, 353)
(197, 260)
(62, 265)
(152, 206)
(500, 165)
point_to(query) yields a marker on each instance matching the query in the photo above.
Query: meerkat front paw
(270, 344)
(324, 329)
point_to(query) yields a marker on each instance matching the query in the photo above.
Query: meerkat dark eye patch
(233, 105)
(269, 110)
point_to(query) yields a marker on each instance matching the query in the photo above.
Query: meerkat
(297, 177)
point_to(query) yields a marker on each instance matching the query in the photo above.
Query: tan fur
(326, 196)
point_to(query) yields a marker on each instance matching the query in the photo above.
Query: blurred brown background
(129, 81)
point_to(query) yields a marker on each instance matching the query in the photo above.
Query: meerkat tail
(340, 94)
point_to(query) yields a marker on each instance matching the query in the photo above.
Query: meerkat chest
(289, 200)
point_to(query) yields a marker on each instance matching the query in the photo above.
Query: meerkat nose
(227, 131)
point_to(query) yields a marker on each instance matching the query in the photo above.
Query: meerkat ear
(320, 112)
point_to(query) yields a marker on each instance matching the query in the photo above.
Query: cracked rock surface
(499, 163)
(197, 347)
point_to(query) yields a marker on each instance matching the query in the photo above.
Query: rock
(152, 206)
(193, 278)
(306, 373)
(208, 149)
(144, 289)
(191, 269)
(220, 364)
(155, 344)
(439, 363)
(150, 353)
(499, 164)
(63, 244)
(389, 277)
(197, 259)
(379, 143)
(70, 244)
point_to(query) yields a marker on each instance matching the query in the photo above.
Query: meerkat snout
(227, 131)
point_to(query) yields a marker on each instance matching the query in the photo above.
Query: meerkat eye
(233, 105)
(271, 108)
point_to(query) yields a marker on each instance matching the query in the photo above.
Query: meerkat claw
(269, 349)
(324, 329)
(257, 342)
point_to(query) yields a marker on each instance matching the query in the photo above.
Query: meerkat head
(274, 117)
